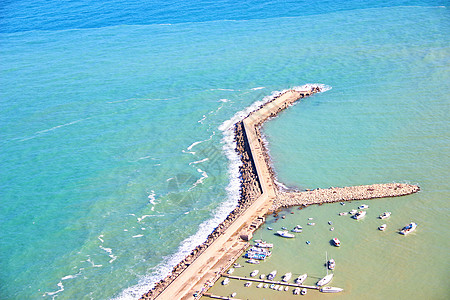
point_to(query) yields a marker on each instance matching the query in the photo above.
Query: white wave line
(38, 133)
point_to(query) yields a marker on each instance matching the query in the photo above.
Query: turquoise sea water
(116, 159)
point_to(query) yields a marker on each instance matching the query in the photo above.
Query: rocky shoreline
(254, 188)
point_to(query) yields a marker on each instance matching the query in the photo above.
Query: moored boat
(343, 213)
(260, 285)
(331, 264)
(254, 273)
(252, 261)
(262, 276)
(359, 215)
(247, 284)
(280, 288)
(285, 234)
(296, 291)
(311, 224)
(382, 227)
(234, 294)
(385, 215)
(408, 228)
(263, 245)
(272, 275)
(287, 276)
(286, 288)
(352, 212)
(230, 271)
(300, 279)
(297, 229)
(336, 242)
(325, 280)
(331, 289)
(226, 281)
(364, 206)
(303, 291)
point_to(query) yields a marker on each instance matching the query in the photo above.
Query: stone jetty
(259, 196)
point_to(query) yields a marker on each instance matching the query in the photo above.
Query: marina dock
(311, 287)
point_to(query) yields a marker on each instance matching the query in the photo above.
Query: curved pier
(259, 196)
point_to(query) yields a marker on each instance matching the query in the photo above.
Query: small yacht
(297, 229)
(331, 264)
(260, 285)
(285, 234)
(336, 242)
(269, 228)
(234, 294)
(332, 228)
(254, 273)
(408, 228)
(230, 271)
(303, 291)
(330, 289)
(280, 288)
(296, 291)
(382, 227)
(352, 212)
(385, 215)
(266, 285)
(262, 276)
(343, 213)
(263, 245)
(330, 223)
(300, 279)
(287, 277)
(359, 215)
(325, 280)
(308, 242)
(311, 224)
(252, 261)
(226, 281)
(276, 287)
(237, 265)
(286, 289)
(247, 284)
(272, 275)
(364, 206)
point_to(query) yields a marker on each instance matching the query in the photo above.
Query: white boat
(226, 281)
(272, 275)
(359, 215)
(332, 228)
(280, 288)
(364, 206)
(230, 271)
(264, 245)
(252, 261)
(287, 277)
(254, 273)
(352, 212)
(343, 213)
(286, 289)
(247, 284)
(234, 294)
(237, 265)
(285, 234)
(276, 287)
(266, 285)
(331, 289)
(296, 291)
(269, 228)
(297, 229)
(260, 285)
(262, 276)
(303, 291)
(311, 224)
(385, 215)
(325, 280)
(382, 227)
(331, 264)
(300, 279)
(336, 242)
(408, 228)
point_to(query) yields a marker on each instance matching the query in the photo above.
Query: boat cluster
(260, 251)
(360, 213)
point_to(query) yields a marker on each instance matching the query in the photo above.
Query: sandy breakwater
(259, 195)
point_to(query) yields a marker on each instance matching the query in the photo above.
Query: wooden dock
(312, 287)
